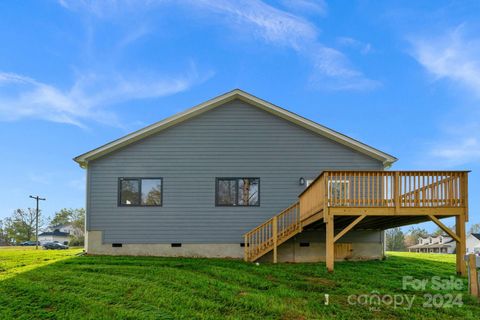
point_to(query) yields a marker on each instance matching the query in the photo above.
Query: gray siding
(234, 140)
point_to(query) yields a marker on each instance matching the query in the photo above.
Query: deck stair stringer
(269, 235)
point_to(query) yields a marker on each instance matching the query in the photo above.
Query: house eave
(83, 159)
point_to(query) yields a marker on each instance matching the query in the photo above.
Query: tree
(4, 240)
(413, 234)
(21, 225)
(475, 228)
(76, 219)
(438, 232)
(61, 217)
(395, 239)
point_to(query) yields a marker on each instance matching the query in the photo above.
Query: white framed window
(338, 189)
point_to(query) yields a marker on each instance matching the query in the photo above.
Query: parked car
(54, 245)
(28, 243)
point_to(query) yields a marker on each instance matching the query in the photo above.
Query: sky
(402, 76)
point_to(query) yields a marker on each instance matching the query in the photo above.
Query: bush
(76, 241)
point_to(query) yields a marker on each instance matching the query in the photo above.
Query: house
(434, 244)
(214, 181)
(60, 233)
(67, 228)
(56, 235)
(473, 243)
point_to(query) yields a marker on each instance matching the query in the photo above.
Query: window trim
(236, 198)
(119, 192)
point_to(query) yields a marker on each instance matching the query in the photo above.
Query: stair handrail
(264, 236)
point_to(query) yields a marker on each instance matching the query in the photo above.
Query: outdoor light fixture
(301, 181)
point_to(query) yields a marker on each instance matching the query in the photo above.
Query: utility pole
(36, 222)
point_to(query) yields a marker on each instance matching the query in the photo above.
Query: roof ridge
(210, 104)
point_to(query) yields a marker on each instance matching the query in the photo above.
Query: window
(140, 191)
(237, 192)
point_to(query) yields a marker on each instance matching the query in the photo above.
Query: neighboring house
(54, 236)
(194, 184)
(434, 244)
(473, 243)
(67, 228)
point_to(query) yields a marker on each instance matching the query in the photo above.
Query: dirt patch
(321, 281)
(271, 278)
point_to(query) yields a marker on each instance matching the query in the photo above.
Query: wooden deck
(347, 200)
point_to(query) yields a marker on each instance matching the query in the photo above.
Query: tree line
(397, 240)
(20, 225)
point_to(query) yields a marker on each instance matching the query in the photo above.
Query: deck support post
(245, 248)
(275, 238)
(461, 245)
(329, 241)
(473, 275)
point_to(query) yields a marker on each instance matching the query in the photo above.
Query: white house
(54, 236)
(67, 228)
(432, 244)
(473, 243)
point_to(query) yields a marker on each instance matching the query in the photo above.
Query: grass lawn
(60, 285)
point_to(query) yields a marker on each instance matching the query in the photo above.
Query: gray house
(195, 183)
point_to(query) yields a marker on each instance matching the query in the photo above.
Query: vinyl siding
(233, 140)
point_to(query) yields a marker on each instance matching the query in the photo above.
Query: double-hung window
(140, 191)
(237, 192)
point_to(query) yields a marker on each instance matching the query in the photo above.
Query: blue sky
(402, 76)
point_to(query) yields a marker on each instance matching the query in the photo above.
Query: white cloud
(331, 68)
(133, 35)
(454, 56)
(306, 7)
(458, 145)
(86, 100)
(466, 150)
(451, 56)
(364, 48)
(264, 21)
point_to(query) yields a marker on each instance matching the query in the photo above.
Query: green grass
(60, 285)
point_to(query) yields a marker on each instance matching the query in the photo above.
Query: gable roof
(476, 235)
(385, 158)
(56, 232)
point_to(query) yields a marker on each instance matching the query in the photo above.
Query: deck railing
(272, 232)
(362, 189)
(313, 198)
(401, 189)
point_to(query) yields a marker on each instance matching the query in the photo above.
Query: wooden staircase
(273, 232)
(389, 198)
